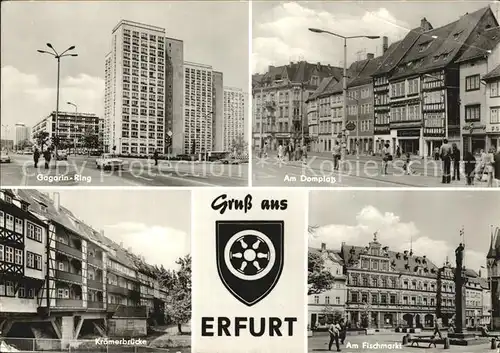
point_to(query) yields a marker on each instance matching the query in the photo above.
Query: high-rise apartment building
(22, 133)
(234, 118)
(143, 90)
(203, 99)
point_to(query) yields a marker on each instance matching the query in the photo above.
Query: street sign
(169, 133)
(350, 126)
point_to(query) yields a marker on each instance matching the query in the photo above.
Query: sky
(214, 33)
(280, 29)
(429, 220)
(154, 223)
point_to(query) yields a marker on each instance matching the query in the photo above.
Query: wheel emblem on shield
(249, 257)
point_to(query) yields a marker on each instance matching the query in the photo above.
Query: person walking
(445, 153)
(334, 331)
(398, 152)
(496, 167)
(280, 152)
(455, 156)
(437, 329)
(155, 157)
(343, 331)
(386, 158)
(407, 165)
(470, 168)
(489, 170)
(336, 155)
(36, 157)
(303, 152)
(47, 156)
(436, 154)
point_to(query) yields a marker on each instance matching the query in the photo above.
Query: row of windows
(11, 255)
(33, 261)
(7, 289)
(327, 300)
(11, 223)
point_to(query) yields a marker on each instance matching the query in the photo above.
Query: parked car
(62, 155)
(109, 161)
(4, 157)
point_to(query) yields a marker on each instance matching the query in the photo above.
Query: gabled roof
(301, 71)
(484, 42)
(399, 262)
(495, 73)
(442, 50)
(397, 51)
(332, 255)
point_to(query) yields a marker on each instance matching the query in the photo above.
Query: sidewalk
(324, 166)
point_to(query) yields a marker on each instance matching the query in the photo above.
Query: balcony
(68, 276)
(68, 250)
(94, 261)
(95, 305)
(68, 303)
(124, 311)
(97, 284)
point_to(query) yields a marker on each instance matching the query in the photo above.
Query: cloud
(398, 235)
(159, 245)
(285, 37)
(24, 98)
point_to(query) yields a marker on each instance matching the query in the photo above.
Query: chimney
(271, 67)
(101, 232)
(385, 44)
(370, 56)
(425, 25)
(323, 246)
(56, 199)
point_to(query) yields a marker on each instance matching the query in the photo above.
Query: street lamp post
(344, 84)
(76, 114)
(58, 57)
(358, 108)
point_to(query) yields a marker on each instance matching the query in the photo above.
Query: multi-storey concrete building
(144, 90)
(71, 127)
(218, 110)
(279, 96)
(203, 107)
(23, 133)
(233, 128)
(478, 131)
(71, 280)
(492, 80)
(323, 306)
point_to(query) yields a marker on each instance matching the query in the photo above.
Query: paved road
(359, 172)
(82, 171)
(362, 343)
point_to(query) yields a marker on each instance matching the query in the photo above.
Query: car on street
(4, 157)
(62, 155)
(109, 161)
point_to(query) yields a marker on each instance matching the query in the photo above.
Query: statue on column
(459, 256)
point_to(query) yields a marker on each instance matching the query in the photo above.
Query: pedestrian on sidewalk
(470, 168)
(436, 154)
(334, 331)
(437, 329)
(265, 150)
(496, 167)
(155, 157)
(398, 152)
(407, 165)
(303, 152)
(445, 153)
(489, 161)
(36, 157)
(386, 158)
(343, 331)
(280, 152)
(336, 155)
(47, 156)
(455, 155)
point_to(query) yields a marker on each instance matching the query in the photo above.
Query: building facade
(203, 107)
(71, 127)
(477, 123)
(279, 102)
(6, 144)
(493, 266)
(492, 80)
(324, 306)
(233, 129)
(23, 133)
(144, 93)
(58, 272)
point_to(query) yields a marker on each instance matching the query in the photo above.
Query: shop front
(474, 138)
(409, 141)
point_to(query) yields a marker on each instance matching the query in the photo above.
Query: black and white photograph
(124, 93)
(376, 94)
(112, 274)
(410, 269)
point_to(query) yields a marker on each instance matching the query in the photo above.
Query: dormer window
(25, 207)
(457, 35)
(8, 199)
(423, 46)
